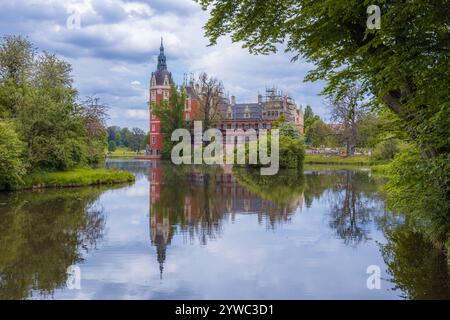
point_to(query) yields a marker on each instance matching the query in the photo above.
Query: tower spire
(162, 57)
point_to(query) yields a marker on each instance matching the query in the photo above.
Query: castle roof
(161, 71)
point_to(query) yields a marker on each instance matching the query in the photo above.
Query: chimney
(233, 100)
(259, 98)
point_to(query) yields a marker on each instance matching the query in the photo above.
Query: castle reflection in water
(202, 201)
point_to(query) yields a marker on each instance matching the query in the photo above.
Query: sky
(113, 45)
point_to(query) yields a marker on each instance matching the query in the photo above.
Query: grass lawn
(325, 159)
(122, 152)
(76, 178)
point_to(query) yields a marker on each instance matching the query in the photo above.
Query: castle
(257, 115)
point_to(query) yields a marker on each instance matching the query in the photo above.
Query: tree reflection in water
(195, 201)
(353, 206)
(418, 268)
(41, 235)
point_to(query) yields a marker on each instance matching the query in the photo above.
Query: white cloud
(114, 51)
(136, 114)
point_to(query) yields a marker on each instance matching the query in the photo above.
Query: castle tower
(159, 90)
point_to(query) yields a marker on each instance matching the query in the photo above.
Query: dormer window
(247, 112)
(229, 113)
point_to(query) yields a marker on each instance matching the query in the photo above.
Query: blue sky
(113, 51)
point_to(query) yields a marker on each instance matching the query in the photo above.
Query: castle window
(188, 116)
(153, 128)
(153, 139)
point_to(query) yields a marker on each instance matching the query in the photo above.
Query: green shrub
(112, 146)
(386, 150)
(419, 188)
(291, 150)
(292, 153)
(11, 149)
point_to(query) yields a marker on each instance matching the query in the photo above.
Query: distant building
(256, 115)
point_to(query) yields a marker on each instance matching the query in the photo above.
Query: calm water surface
(213, 233)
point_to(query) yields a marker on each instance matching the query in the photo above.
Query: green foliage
(136, 140)
(369, 130)
(326, 159)
(287, 129)
(11, 153)
(406, 71)
(417, 268)
(402, 67)
(320, 134)
(54, 134)
(37, 97)
(283, 189)
(77, 178)
(112, 146)
(291, 146)
(386, 150)
(41, 234)
(16, 58)
(292, 153)
(421, 189)
(170, 113)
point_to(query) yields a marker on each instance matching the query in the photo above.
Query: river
(214, 233)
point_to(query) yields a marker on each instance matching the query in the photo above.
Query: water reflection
(194, 201)
(417, 268)
(41, 235)
(353, 205)
(213, 232)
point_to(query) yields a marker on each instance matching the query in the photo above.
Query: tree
(320, 134)
(114, 134)
(16, 64)
(347, 108)
(210, 94)
(37, 96)
(112, 146)
(136, 141)
(170, 114)
(16, 58)
(308, 119)
(94, 116)
(125, 135)
(51, 122)
(12, 167)
(403, 66)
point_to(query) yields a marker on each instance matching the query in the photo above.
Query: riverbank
(123, 153)
(362, 160)
(76, 178)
